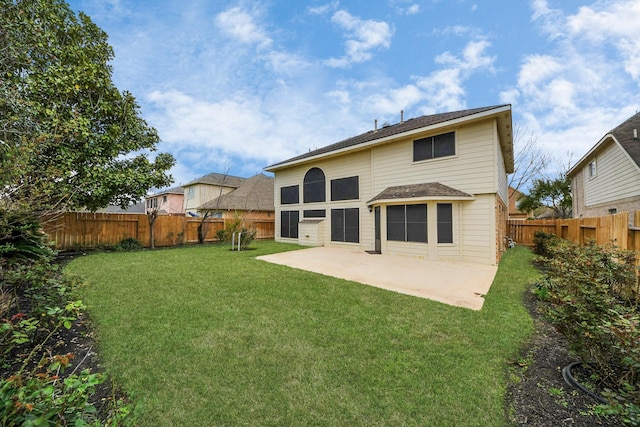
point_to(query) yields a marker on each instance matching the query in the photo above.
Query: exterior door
(378, 242)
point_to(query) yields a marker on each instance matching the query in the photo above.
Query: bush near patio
(591, 295)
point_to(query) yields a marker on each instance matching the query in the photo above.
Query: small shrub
(129, 244)
(541, 241)
(235, 226)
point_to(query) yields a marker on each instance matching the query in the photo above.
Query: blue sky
(234, 86)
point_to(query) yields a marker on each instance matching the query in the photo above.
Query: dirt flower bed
(538, 395)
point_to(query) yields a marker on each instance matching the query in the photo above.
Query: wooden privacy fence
(612, 229)
(93, 230)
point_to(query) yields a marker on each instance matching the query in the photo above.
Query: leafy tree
(68, 137)
(554, 194)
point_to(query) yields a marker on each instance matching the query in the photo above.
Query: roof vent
(375, 125)
(635, 134)
(401, 116)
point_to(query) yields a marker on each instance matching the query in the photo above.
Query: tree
(554, 194)
(68, 137)
(530, 161)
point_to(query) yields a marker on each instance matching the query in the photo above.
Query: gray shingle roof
(253, 194)
(220, 179)
(624, 134)
(415, 191)
(386, 131)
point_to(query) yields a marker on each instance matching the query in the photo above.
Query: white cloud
(580, 88)
(241, 25)
(363, 36)
(325, 8)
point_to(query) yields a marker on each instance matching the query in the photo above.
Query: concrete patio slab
(453, 283)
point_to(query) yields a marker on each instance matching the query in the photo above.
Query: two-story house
(253, 199)
(434, 187)
(206, 188)
(607, 179)
(167, 202)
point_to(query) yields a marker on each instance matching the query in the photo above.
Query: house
(253, 199)
(607, 179)
(166, 202)
(206, 188)
(514, 211)
(434, 187)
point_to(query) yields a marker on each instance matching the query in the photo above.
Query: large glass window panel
(396, 223)
(345, 188)
(289, 195)
(445, 223)
(314, 186)
(417, 223)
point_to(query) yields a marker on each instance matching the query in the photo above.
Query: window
(345, 225)
(345, 188)
(289, 195)
(433, 147)
(407, 223)
(445, 223)
(289, 224)
(592, 168)
(314, 188)
(314, 213)
(164, 199)
(613, 211)
(191, 192)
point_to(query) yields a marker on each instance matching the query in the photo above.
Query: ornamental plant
(592, 298)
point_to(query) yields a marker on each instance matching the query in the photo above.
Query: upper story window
(314, 186)
(289, 195)
(345, 188)
(592, 168)
(432, 147)
(191, 192)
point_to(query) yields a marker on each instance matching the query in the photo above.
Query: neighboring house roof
(415, 125)
(219, 179)
(428, 190)
(173, 190)
(138, 208)
(624, 136)
(253, 194)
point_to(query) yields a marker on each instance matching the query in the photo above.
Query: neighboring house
(166, 202)
(433, 187)
(206, 188)
(514, 211)
(253, 199)
(137, 208)
(607, 179)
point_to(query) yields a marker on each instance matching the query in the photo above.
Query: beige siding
(501, 178)
(617, 177)
(478, 230)
(357, 164)
(203, 193)
(471, 170)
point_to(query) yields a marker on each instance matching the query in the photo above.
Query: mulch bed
(540, 396)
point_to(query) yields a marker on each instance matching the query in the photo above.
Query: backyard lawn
(204, 336)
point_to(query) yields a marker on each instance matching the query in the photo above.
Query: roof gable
(387, 133)
(253, 194)
(623, 135)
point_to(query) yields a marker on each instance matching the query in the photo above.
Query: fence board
(611, 229)
(75, 230)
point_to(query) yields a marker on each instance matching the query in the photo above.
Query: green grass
(204, 336)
